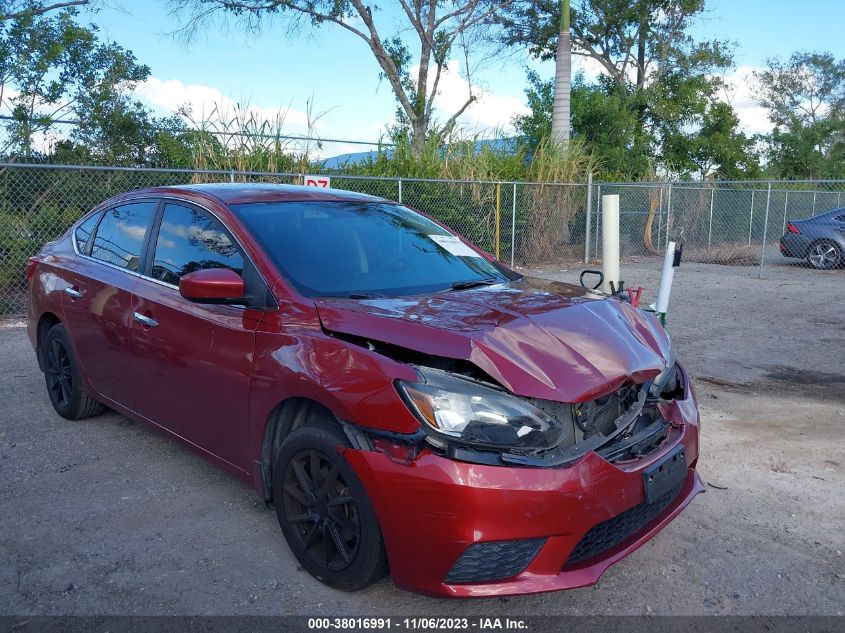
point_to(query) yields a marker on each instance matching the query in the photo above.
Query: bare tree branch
(416, 22)
(450, 123)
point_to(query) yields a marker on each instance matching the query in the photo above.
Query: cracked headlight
(462, 410)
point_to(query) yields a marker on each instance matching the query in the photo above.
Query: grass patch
(726, 255)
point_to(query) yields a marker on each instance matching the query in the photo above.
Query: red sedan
(403, 400)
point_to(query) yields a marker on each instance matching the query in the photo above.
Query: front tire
(824, 255)
(64, 382)
(324, 512)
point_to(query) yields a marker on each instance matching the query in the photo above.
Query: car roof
(244, 193)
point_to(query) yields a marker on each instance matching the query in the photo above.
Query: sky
(332, 74)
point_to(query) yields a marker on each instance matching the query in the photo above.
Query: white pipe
(666, 279)
(610, 240)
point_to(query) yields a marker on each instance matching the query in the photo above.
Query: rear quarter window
(83, 232)
(120, 235)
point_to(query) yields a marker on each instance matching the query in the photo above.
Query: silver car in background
(820, 240)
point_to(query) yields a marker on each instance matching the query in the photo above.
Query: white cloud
(169, 95)
(489, 111)
(132, 232)
(591, 68)
(753, 118)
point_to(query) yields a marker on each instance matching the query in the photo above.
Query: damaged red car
(407, 404)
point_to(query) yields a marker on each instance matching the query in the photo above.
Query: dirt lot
(105, 516)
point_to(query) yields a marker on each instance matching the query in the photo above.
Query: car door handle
(144, 320)
(73, 292)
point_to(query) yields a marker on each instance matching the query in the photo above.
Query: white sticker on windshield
(454, 245)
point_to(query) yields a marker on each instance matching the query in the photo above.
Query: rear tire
(324, 512)
(64, 382)
(824, 255)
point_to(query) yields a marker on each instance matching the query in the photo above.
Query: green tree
(600, 119)
(537, 124)
(633, 40)
(659, 88)
(805, 100)
(718, 149)
(33, 74)
(52, 68)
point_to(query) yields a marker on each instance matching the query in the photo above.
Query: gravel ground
(106, 516)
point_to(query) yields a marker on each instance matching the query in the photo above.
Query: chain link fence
(752, 224)
(730, 224)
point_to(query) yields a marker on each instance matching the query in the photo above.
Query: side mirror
(212, 285)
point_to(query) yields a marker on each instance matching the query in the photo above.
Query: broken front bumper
(458, 529)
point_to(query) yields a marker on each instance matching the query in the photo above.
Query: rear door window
(190, 239)
(119, 239)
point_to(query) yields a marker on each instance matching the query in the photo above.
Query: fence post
(660, 219)
(513, 225)
(710, 228)
(814, 205)
(231, 175)
(598, 217)
(751, 218)
(400, 190)
(785, 205)
(765, 228)
(589, 217)
(498, 216)
(668, 213)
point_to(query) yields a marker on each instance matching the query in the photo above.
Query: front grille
(598, 417)
(612, 532)
(495, 560)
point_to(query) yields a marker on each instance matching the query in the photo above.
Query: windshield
(363, 248)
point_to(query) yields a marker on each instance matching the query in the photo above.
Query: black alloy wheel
(58, 373)
(64, 382)
(321, 510)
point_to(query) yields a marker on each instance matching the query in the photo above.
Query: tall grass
(554, 205)
(236, 138)
(244, 139)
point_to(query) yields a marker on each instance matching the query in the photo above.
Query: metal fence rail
(733, 224)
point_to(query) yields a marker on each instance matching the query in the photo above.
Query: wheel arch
(289, 415)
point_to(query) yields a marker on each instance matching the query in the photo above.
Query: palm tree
(563, 76)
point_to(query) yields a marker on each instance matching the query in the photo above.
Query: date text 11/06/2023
(422, 623)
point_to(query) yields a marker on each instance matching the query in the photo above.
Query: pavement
(106, 516)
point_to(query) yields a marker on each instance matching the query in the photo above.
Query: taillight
(31, 263)
(792, 228)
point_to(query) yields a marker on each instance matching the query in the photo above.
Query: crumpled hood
(539, 339)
